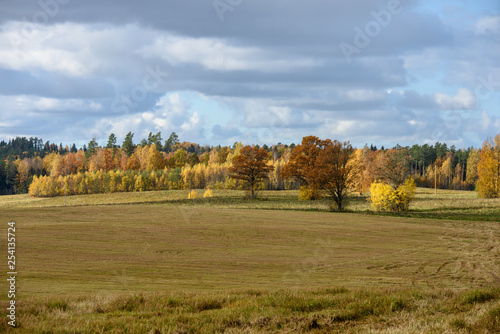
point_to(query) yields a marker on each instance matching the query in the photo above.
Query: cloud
(170, 114)
(464, 99)
(271, 71)
(218, 55)
(488, 25)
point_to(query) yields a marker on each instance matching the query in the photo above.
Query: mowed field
(159, 263)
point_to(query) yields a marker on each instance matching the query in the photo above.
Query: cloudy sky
(256, 71)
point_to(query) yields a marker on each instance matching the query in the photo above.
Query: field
(158, 263)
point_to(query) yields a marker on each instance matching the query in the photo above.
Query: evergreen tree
(171, 142)
(111, 141)
(91, 148)
(128, 144)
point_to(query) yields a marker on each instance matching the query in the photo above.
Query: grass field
(158, 263)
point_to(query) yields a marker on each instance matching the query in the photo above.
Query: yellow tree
(446, 172)
(155, 159)
(357, 166)
(180, 158)
(133, 163)
(472, 161)
(488, 171)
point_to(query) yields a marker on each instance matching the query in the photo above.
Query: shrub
(308, 194)
(208, 193)
(193, 194)
(385, 198)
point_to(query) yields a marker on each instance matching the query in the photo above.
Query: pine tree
(128, 144)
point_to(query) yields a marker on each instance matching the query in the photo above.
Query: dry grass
(329, 310)
(447, 204)
(173, 265)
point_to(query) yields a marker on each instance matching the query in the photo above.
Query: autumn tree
(392, 166)
(302, 160)
(323, 165)
(472, 162)
(133, 163)
(154, 159)
(222, 155)
(488, 170)
(180, 158)
(334, 173)
(193, 159)
(251, 167)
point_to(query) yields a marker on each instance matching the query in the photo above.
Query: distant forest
(24, 159)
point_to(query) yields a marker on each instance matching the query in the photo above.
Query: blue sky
(219, 71)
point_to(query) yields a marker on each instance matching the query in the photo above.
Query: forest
(47, 169)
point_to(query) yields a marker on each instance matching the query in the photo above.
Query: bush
(385, 198)
(192, 195)
(208, 193)
(308, 194)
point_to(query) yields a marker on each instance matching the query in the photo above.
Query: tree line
(24, 161)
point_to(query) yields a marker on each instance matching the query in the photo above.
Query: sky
(254, 71)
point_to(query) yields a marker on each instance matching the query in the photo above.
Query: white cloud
(364, 95)
(36, 49)
(218, 55)
(171, 114)
(29, 104)
(488, 24)
(464, 99)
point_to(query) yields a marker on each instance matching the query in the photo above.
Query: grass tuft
(479, 296)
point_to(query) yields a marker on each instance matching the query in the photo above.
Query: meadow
(156, 262)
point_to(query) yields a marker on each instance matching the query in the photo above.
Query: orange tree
(251, 167)
(323, 164)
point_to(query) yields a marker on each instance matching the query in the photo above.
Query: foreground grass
(159, 263)
(152, 247)
(330, 310)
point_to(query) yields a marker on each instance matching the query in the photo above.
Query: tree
(302, 161)
(155, 140)
(488, 170)
(128, 144)
(180, 158)
(322, 165)
(392, 166)
(111, 141)
(222, 155)
(472, 162)
(334, 173)
(133, 163)
(155, 159)
(193, 159)
(91, 148)
(171, 142)
(251, 167)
